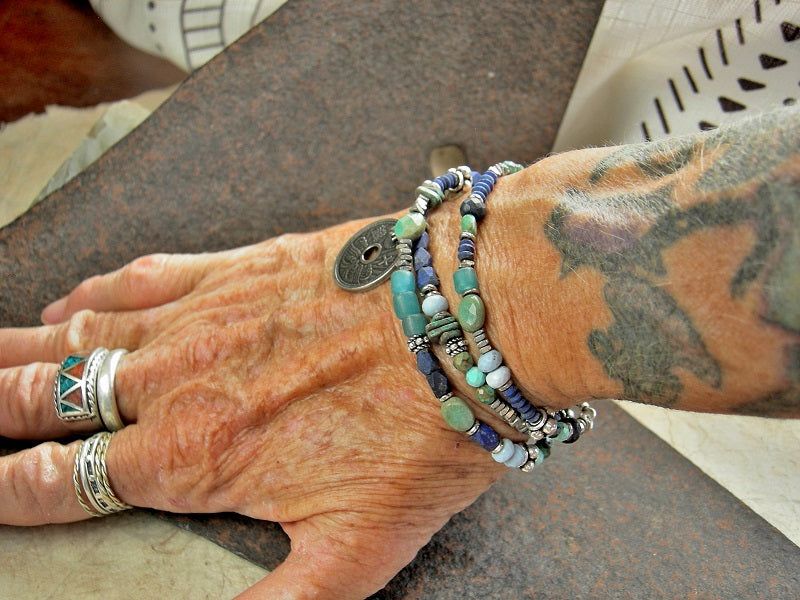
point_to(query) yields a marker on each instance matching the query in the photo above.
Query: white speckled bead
(490, 361)
(499, 377)
(506, 452)
(519, 457)
(434, 303)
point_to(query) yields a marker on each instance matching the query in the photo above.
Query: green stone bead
(471, 313)
(437, 327)
(465, 279)
(457, 414)
(469, 224)
(485, 394)
(406, 304)
(403, 281)
(463, 361)
(410, 226)
(563, 432)
(414, 324)
(450, 335)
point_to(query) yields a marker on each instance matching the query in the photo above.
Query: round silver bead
(550, 427)
(528, 466)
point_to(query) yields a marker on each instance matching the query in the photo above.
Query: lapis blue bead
(438, 382)
(423, 240)
(475, 176)
(427, 276)
(482, 188)
(492, 176)
(466, 244)
(441, 182)
(473, 206)
(422, 258)
(427, 362)
(480, 194)
(509, 391)
(466, 255)
(486, 437)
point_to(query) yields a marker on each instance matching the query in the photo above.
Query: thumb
(337, 557)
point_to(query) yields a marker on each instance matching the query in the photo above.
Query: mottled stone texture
(329, 111)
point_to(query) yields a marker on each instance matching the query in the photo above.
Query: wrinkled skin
(254, 385)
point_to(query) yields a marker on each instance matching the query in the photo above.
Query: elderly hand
(253, 385)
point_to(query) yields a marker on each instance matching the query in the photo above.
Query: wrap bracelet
(424, 313)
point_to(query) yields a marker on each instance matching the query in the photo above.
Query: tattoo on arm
(624, 236)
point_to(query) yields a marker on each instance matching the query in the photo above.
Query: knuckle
(77, 332)
(39, 484)
(142, 270)
(32, 385)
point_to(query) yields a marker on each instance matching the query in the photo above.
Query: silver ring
(90, 477)
(106, 398)
(75, 389)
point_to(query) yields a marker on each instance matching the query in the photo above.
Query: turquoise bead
(435, 303)
(471, 313)
(410, 227)
(518, 458)
(490, 361)
(485, 394)
(563, 432)
(465, 279)
(414, 324)
(469, 224)
(406, 304)
(457, 414)
(475, 377)
(499, 377)
(403, 281)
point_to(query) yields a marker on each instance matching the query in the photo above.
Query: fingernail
(54, 312)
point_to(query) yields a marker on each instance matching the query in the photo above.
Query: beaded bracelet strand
(562, 426)
(445, 329)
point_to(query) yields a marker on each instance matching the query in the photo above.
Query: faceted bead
(403, 281)
(424, 240)
(406, 304)
(434, 303)
(427, 276)
(463, 361)
(469, 224)
(414, 324)
(475, 377)
(486, 437)
(422, 258)
(490, 361)
(471, 313)
(473, 206)
(438, 382)
(410, 226)
(426, 362)
(506, 452)
(485, 394)
(499, 377)
(519, 457)
(457, 414)
(465, 279)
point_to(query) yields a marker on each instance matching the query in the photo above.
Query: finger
(84, 330)
(26, 404)
(146, 282)
(351, 560)
(36, 486)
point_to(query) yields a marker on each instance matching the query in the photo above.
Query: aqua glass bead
(563, 432)
(485, 394)
(465, 279)
(469, 224)
(435, 303)
(457, 414)
(475, 377)
(471, 313)
(405, 304)
(414, 324)
(490, 361)
(463, 361)
(403, 281)
(410, 226)
(506, 452)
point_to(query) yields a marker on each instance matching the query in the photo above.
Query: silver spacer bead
(506, 385)
(456, 346)
(420, 205)
(471, 291)
(499, 169)
(535, 435)
(463, 264)
(528, 466)
(582, 425)
(533, 451)
(446, 397)
(417, 343)
(497, 448)
(469, 236)
(429, 290)
(475, 426)
(550, 428)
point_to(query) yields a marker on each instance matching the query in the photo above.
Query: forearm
(661, 273)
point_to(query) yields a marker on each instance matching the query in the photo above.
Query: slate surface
(329, 111)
